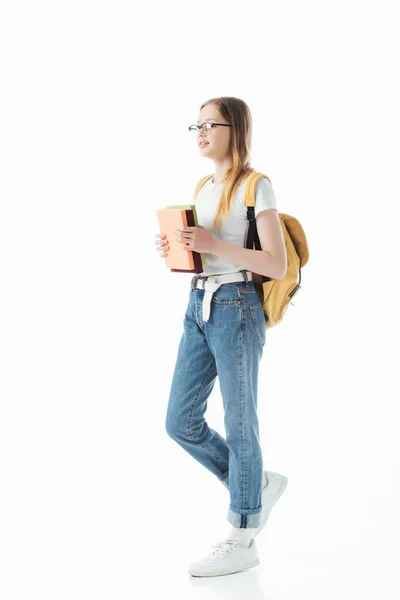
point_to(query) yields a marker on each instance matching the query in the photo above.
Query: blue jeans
(230, 345)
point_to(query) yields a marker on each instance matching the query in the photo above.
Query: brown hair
(237, 113)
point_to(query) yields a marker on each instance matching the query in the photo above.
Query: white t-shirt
(235, 225)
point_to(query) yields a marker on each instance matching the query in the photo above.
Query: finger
(184, 236)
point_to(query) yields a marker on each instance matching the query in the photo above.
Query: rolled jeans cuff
(245, 519)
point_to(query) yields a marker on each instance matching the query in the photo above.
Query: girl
(225, 332)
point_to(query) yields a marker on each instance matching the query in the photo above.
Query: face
(217, 140)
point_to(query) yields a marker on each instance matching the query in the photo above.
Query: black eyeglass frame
(199, 127)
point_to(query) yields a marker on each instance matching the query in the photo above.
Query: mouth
(202, 144)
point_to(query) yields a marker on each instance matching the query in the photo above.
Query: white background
(97, 502)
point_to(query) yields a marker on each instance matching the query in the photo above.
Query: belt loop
(204, 283)
(244, 273)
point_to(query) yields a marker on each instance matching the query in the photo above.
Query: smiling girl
(225, 332)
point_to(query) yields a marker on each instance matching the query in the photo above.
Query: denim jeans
(230, 345)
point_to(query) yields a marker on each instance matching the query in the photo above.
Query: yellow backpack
(275, 294)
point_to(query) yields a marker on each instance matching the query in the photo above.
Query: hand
(162, 244)
(198, 238)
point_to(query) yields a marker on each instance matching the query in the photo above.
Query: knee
(172, 427)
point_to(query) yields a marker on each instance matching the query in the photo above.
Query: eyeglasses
(206, 128)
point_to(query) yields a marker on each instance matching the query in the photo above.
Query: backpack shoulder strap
(201, 182)
(250, 191)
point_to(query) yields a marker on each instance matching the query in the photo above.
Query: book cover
(170, 219)
(198, 265)
(196, 223)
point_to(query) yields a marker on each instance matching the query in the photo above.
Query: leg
(193, 380)
(236, 333)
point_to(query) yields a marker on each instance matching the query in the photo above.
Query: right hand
(162, 244)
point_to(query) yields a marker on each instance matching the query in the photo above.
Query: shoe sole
(277, 496)
(249, 565)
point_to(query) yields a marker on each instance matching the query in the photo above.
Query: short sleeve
(265, 197)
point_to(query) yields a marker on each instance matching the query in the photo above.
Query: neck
(221, 167)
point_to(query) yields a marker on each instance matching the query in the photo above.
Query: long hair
(237, 113)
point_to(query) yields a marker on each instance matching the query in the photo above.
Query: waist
(199, 281)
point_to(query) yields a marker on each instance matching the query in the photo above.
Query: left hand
(198, 238)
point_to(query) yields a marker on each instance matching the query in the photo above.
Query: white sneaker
(270, 494)
(228, 557)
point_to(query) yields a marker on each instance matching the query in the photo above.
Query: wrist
(215, 246)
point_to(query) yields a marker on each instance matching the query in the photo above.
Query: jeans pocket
(259, 322)
(226, 294)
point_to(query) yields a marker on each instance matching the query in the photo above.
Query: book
(198, 266)
(170, 219)
(199, 258)
(189, 220)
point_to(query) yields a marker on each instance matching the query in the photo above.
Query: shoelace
(222, 548)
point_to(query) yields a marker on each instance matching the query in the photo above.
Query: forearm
(257, 261)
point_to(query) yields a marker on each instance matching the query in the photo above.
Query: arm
(271, 261)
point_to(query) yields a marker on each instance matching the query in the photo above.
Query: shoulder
(264, 185)
(265, 197)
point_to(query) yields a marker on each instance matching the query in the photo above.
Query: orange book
(170, 219)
